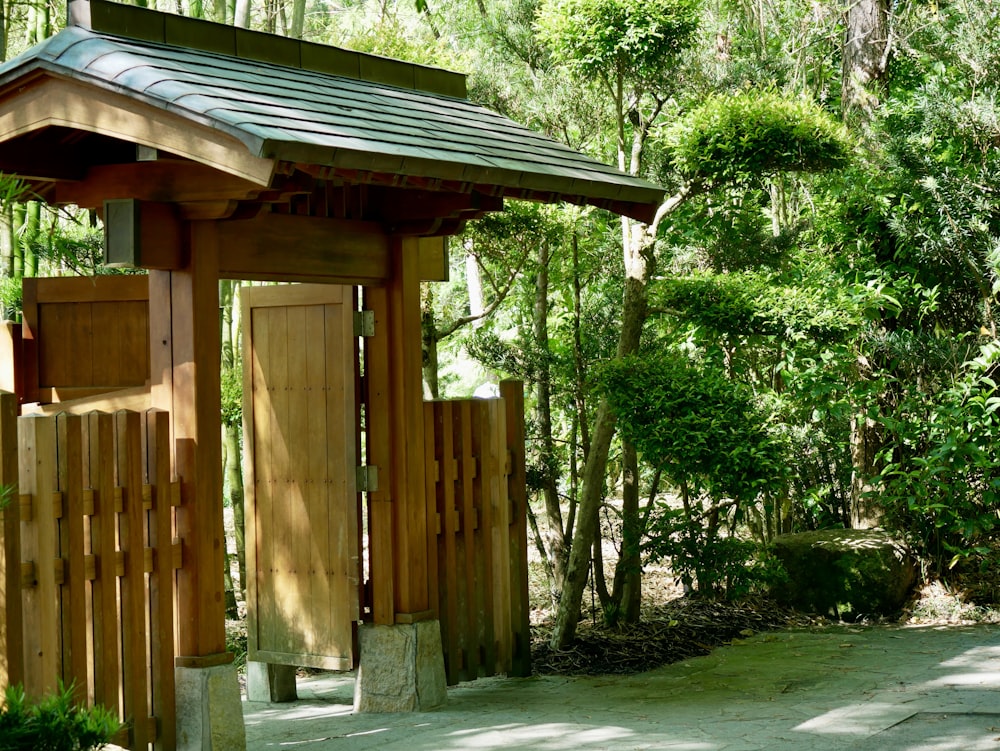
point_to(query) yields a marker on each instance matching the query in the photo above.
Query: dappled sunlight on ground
(834, 689)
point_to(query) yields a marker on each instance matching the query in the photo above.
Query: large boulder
(844, 573)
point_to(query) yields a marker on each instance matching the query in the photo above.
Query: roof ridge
(133, 22)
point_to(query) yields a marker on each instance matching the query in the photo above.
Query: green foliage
(11, 296)
(725, 566)
(733, 138)
(941, 481)
(700, 428)
(758, 304)
(55, 723)
(232, 395)
(633, 40)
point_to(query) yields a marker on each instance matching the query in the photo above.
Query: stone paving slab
(887, 689)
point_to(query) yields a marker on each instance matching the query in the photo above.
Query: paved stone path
(885, 689)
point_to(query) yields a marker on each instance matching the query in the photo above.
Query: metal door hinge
(367, 479)
(364, 323)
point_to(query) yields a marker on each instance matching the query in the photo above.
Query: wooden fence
(476, 484)
(91, 602)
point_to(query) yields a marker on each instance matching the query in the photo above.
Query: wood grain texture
(300, 409)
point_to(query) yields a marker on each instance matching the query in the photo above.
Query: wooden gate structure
(213, 152)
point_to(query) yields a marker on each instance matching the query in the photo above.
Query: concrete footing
(270, 683)
(401, 668)
(209, 709)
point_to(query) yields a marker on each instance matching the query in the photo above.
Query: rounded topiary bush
(844, 573)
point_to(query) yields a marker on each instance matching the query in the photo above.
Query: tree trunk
(866, 441)
(555, 532)
(241, 15)
(627, 590)
(638, 269)
(866, 56)
(298, 19)
(474, 282)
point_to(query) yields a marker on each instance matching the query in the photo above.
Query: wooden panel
(84, 336)
(299, 410)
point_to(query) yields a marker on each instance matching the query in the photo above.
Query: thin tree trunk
(241, 15)
(474, 282)
(298, 19)
(555, 538)
(627, 590)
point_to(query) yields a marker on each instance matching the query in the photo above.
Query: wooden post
(512, 393)
(396, 436)
(11, 623)
(185, 354)
(184, 359)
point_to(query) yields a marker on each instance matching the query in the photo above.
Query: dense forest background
(804, 338)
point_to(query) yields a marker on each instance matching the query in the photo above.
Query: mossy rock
(844, 573)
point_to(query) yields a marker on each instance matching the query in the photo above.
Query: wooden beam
(164, 180)
(303, 249)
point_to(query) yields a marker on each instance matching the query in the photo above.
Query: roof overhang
(220, 102)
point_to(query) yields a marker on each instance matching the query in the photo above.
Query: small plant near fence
(55, 723)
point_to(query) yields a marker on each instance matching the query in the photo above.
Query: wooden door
(300, 418)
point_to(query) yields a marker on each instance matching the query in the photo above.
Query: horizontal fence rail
(92, 528)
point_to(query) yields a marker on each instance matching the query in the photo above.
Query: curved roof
(345, 123)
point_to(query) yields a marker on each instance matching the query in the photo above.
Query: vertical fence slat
(499, 530)
(161, 581)
(512, 393)
(467, 470)
(75, 624)
(481, 433)
(104, 544)
(37, 444)
(11, 615)
(435, 515)
(132, 524)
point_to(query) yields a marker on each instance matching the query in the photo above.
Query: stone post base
(209, 709)
(270, 683)
(402, 668)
